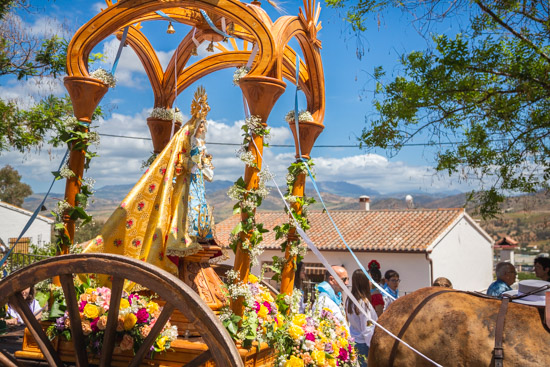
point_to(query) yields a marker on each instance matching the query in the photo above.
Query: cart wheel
(221, 348)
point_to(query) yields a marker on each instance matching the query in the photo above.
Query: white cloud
(26, 93)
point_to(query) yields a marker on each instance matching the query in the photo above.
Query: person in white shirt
(28, 295)
(330, 294)
(361, 326)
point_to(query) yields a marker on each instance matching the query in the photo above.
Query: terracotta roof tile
(374, 230)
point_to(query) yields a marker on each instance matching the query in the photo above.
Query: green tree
(482, 96)
(12, 190)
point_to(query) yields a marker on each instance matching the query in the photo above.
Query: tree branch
(511, 30)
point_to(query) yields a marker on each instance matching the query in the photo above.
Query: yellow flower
(152, 307)
(91, 311)
(319, 357)
(124, 303)
(90, 290)
(294, 362)
(266, 296)
(295, 332)
(332, 362)
(280, 320)
(161, 342)
(299, 319)
(343, 342)
(263, 312)
(252, 278)
(129, 321)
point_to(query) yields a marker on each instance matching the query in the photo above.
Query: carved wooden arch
(162, 82)
(127, 12)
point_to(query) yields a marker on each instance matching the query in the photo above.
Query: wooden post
(261, 92)
(85, 93)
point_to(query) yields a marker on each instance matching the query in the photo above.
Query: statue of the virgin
(166, 213)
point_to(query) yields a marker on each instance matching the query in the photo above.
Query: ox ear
(547, 309)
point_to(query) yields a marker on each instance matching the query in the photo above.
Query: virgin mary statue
(166, 213)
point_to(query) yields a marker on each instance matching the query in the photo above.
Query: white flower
(248, 158)
(93, 137)
(239, 73)
(254, 123)
(303, 115)
(65, 172)
(166, 114)
(105, 76)
(71, 122)
(61, 207)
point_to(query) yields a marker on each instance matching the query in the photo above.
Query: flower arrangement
(261, 317)
(166, 114)
(105, 76)
(303, 115)
(315, 339)
(136, 317)
(239, 73)
(373, 264)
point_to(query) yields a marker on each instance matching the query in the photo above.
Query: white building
(420, 244)
(12, 221)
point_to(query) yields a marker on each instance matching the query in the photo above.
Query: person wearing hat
(506, 276)
(537, 288)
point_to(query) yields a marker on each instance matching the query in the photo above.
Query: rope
(326, 264)
(175, 92)
(119, 52)
(212, 25)
(35, 214)
(296, 119)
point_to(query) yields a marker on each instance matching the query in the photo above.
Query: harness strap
(409, 321)
(498, 351)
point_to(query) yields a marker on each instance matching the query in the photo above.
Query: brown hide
(457, 329)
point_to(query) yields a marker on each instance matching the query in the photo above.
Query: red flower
(142, 316)
(141, 205)
(98, 241)
(162, 170)
(373, 264)
(152, 188)
(123, 204)
(129, 223)
(136, 243)
(117, 242)
(161, 255)
(155, 236)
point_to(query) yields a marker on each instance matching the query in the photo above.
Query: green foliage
(482, 97)
(12, 190)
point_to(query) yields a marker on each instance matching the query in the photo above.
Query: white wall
(413, 269)
(13, 220)
(465, 257)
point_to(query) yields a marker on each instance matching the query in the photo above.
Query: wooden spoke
(200, 359)
(74, 315)
(155, 331)
(8, 361)
(112, 321)
(23, 309)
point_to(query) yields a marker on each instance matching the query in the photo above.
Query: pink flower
(257, 306)
(82, 305)
(142, 316)
(343, 354)
(310, 336)
(268, 306)
(131, 298)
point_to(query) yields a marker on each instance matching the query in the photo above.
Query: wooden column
(309, 131)
(261, 92)
(85, 93)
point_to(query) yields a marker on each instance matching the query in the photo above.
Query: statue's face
(200, 130)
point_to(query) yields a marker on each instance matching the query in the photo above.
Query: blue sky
(130, 102)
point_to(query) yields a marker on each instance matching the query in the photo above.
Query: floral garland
(261, 317)
(303, 115)
(162, 113)
(249, 200)
(75, 134)
(105, 76)
(239, 73)
(296, 247)
(136, 317)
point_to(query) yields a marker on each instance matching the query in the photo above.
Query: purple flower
(310, 336)
(142, 316)
(328, 348)
(60, 323)
(82, 305)
(343, 354)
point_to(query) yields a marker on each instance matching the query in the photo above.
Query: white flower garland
(105, 76)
